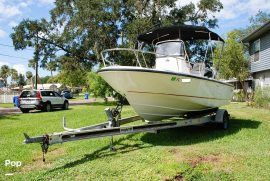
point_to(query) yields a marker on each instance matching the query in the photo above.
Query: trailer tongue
(113, 127)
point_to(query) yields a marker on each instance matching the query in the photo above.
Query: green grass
(80, 96)
(6, 105)
(194, 153)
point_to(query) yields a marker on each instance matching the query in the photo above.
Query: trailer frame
(112, 127)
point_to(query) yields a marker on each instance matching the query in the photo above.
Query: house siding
(264, 60)
(262, 78)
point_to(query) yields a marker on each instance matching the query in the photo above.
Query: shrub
(262, 97)
(238, 96)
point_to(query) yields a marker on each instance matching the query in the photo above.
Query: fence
(7, 98)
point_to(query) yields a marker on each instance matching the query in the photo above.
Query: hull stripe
(140, 92)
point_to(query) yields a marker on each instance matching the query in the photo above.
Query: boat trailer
(112, 127)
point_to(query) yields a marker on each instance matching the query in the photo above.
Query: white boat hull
(157, 95)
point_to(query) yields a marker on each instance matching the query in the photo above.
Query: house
(44, 86)
(259, 52)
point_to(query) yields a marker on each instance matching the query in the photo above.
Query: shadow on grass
(104, 152)
(196, 134)
(171, 137)
(54, 110)
(109, 103)
(9, 116)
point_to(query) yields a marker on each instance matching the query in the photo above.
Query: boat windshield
(170, 48)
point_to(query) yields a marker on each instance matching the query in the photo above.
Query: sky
(235, 14)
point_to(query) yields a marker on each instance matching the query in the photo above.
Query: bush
(238, 96)
(262, 97)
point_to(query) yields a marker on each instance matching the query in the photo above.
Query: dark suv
(44, 100)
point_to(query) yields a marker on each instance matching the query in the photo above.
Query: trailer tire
(222, 118)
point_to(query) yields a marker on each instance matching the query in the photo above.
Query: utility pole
(36, 57)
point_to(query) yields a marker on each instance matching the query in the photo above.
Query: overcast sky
(235, 14)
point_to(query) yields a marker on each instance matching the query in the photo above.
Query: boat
(166, 82)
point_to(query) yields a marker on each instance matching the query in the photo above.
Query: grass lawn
(80, 96)
(194, 153)
(6, 105)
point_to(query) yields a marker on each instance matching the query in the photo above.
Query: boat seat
(208, 72)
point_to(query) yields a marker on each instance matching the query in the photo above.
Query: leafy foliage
(72, 73)
(14, 75)
(262, 97)
(21, 80)
(233, 63)
(4, 73)
(29, 74)
(255, 22)
(81, 29)
(98, 86)
(51, 66)
(44, 80)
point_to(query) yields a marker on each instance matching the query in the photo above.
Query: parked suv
(44, 100)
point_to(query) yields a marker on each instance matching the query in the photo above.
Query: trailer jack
(112, 127)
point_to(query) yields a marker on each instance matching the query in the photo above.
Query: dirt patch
(174, 151)
(178, 177)
(177, 154)
(37, 161)
(213, 159)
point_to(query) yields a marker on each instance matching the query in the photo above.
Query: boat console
(171, 56)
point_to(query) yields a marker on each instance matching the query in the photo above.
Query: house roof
(183, 32)
(257, 33)
(44, 86)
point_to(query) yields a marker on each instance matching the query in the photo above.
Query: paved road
(71, 103)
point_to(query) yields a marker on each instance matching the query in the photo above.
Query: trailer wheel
(222, 118)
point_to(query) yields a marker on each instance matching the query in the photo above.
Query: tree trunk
(32, 82)
(244, 89)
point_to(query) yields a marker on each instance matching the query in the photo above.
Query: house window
(256, 50)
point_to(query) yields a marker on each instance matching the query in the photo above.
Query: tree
(98, 86)
(255, 22)
(259, 19)
(233, 64)
(81, 29)
(51, 66)
(14, 75)
(44, 80)
(54, 79)
(21, 81)
(32, 64)
(71, 73)
(29, 76)
(29, 34)
(4, 73)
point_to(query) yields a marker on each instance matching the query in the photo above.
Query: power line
(13, 56)
(5, 45)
